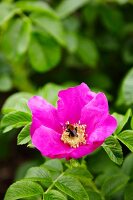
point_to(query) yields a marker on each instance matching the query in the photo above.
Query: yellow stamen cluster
(75, 141)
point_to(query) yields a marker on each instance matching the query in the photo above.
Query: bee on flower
(78, 126)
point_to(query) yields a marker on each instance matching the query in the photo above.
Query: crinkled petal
(85, 150)
(94, 112)
(71, 101)
(49, 143)
(44, 112)
(104, 129)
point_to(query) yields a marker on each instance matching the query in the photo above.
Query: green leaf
(94, 195)
(24, 135)
(39, 174)
(127, 51)
(122, 120)
(132, 122)
(39, 7)
(50, 92)
(18, 33)
(51, 25)
(71, 41)
(72, 187)
(24, 36)
(5, 83)
(79, 173)
(112, 18)
(113, 149)
(113, 184)
(128, 194)
(90, 13)
(126, 93)
(40, 55)
(23, 168)
(87, 51)
(53, 165)
(21, 98)
(127, 166)
(126, 137)
(7, 11)
(54, 195)
(23, 189)
(67, 7)
(16, 119)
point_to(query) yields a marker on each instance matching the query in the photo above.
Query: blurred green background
(48, 45)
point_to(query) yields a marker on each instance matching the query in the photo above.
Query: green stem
(52, 185)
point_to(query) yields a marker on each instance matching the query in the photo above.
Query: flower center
(74, 134)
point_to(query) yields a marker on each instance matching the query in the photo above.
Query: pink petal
(103, 129)
(44, 112)
(34, 125)
(49, 143)
(71, 101)
(85, 150)
(94, 112)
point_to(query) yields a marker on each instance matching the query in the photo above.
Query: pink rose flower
(79, 125)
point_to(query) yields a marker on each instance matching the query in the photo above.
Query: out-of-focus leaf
(90, 13)
(98, 81)
(113, 149)
(51, 25)
(72, 187)
(71, 24)
(113, 184)
(128, 194)
(23, 189)
(100, 163)
(21, 98)
(112, 18)
(108, 43)
(24, 36)
(71, 41)
(24, 135)
(132, 122)
(44, 53)
(67, 7)
(7, 11)
(50, 92)
(128, 51)
(121, 120)
(87, 51)
(16, 38)
(126, 137)
(38, 6)
(22, 169)
(93, 195)
(5, 82)
(126, 93)
(127, 166)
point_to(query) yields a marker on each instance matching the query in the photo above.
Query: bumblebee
(71, 130)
